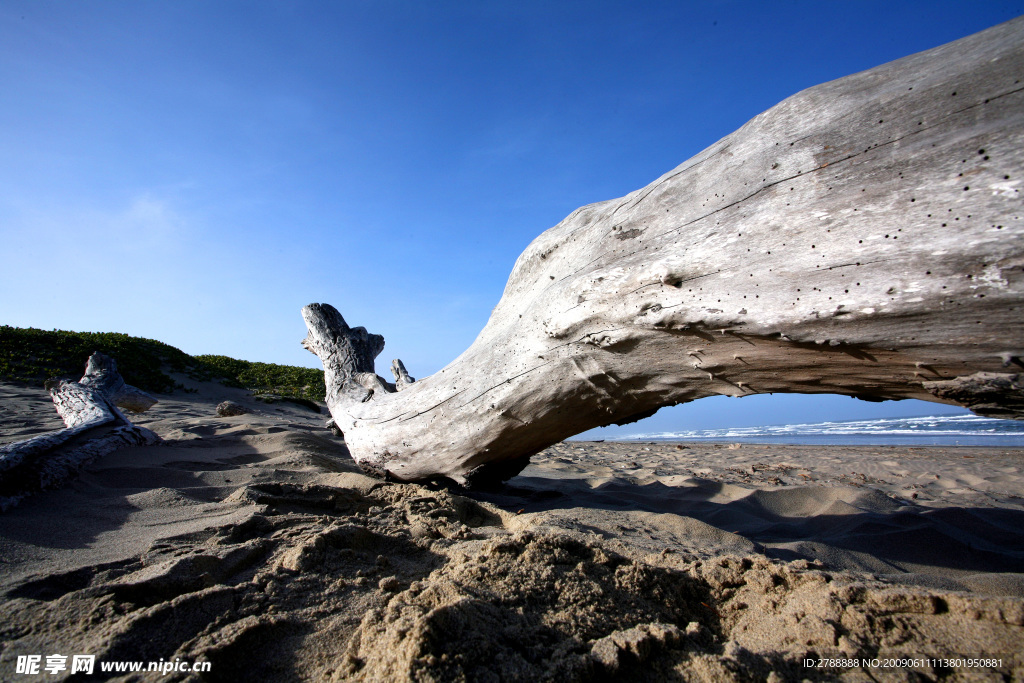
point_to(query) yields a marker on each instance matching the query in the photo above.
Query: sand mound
(526, 608)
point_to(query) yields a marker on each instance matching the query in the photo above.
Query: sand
(254, 544)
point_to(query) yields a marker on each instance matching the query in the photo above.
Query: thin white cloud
(148, 222)
(143, 223)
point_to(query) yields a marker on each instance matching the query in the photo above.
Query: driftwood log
(864, 237)
(94, 427)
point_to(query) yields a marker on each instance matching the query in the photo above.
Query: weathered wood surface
(94, 427)
(101, 373)
(402, 378)
(863, 237)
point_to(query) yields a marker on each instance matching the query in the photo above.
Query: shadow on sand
(830, 525)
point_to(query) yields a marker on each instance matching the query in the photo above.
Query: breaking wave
(943, 430)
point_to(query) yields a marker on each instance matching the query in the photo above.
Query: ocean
(935, 430)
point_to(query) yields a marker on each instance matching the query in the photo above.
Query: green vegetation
(271, 378)
(31, 355)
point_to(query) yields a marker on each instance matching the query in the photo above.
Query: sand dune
(253, 543)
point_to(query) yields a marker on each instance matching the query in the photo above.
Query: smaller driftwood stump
(94, 427)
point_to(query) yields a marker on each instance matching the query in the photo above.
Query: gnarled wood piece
(94, 427)
(402, 378)
(864, 237)
(101, 374)
(992, 394)
(347, 354)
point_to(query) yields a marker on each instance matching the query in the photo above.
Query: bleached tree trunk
(864, 237)
(94, 427)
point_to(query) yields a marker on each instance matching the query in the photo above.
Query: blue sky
(196, 172)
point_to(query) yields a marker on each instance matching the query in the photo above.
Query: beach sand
(255, 544)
